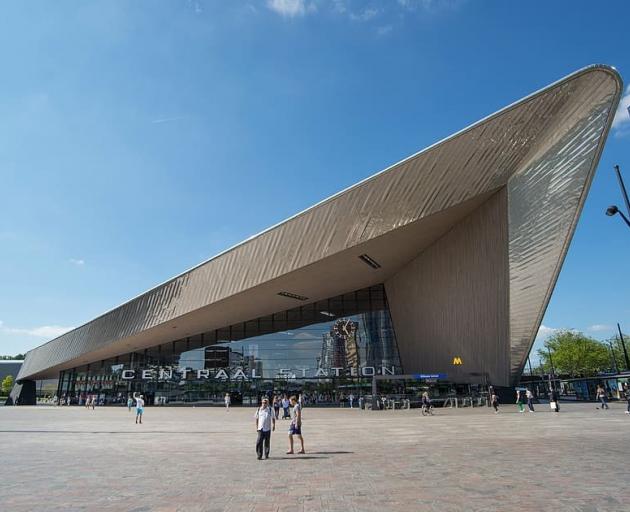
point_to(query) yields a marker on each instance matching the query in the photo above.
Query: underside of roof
(542, 150)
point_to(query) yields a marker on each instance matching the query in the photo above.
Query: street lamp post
(613, 210)
(623, 344)
(552, 375)
(612, 353)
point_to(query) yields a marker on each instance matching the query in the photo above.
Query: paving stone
(203, 460)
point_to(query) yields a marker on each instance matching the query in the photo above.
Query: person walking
(427, 408)
(351, 400)
(295, 428)
(285, 408)
(600, 392)
(228, 401)
(129, 403)
(265, 423)
(626, 393)
(139, 407)
(276, 406)
(519, 400)
(494, 401)
(554, 402)
(530, 399)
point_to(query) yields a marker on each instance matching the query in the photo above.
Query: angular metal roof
(543, 148)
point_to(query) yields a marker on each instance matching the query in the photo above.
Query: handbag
(553, 405)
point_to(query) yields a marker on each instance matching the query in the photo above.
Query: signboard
(241, 373)
(433, 376)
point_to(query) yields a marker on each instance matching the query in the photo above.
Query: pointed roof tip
(606, 68)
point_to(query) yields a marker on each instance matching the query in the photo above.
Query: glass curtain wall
(325, 350)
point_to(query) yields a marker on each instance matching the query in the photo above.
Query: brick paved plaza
(203, 459)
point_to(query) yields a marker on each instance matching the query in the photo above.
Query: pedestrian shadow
(300, 457)
(204, 432)
(329, 453)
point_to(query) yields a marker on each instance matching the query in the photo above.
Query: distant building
(9, 367)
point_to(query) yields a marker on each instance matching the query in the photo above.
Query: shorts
(139, 410)
(294, 430)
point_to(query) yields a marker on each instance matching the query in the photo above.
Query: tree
(7, 384)
(617, 350)
(18, 357)
(575, 354)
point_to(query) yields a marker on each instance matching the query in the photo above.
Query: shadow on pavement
(328, 453)
(113, 432)
(298, 457)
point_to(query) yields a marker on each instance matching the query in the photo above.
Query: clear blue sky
(140, 138)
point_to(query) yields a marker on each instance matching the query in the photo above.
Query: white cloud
(544, 332)
(339, 7)
(600, 327)
(384, 30)
(161, 120)
(621, 122)
(358, 11)
(429, 5)
(289, 8)
(364, 15)
(44, 331)
(77, 262)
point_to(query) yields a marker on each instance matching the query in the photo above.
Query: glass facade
(325, 350)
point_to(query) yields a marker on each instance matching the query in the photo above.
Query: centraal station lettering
(169, 374)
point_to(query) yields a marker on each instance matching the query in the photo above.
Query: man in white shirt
(265, 423)
(139, 406)
(285, 408)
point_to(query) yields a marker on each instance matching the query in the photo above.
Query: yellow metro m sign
(457, 361)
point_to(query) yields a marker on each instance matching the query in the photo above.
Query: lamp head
(612, 210)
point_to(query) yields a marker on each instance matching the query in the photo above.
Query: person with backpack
(265, 423)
